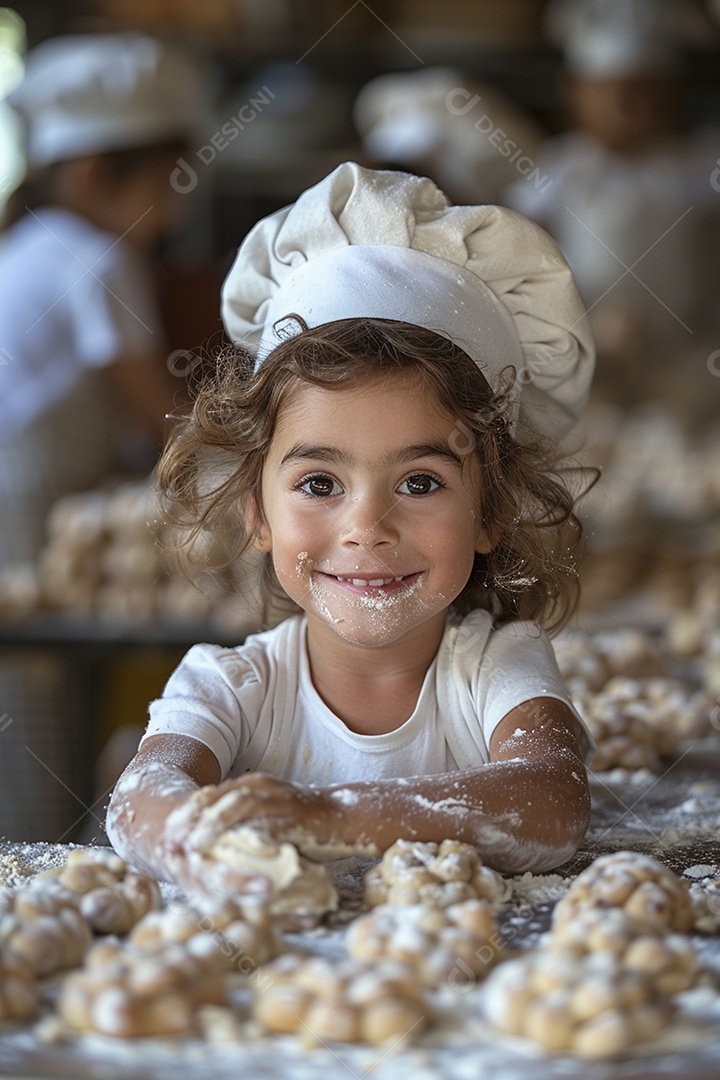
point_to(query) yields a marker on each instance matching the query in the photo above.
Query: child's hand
(192, 829)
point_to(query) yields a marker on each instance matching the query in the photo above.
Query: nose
(370, 521)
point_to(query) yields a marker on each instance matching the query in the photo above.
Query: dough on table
(622, 741)
(671, 710)
(14, 870)
(433, 941)
(227, 935)
(301, 889)
(438, 875)
(643, 887)
(588, 661)
(670, 960)
(636, 722)
(41, 927)
(704, 882)
(693, 630)
(348, 1001)
(130, 993)
(18, 991)
(111, 897)
(581, 666)
(590, 1005)
(710, 669)
(630, 652)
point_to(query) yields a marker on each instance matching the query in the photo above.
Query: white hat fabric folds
(88, 93)
(365, 243)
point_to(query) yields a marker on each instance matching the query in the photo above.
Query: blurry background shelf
(67, 631)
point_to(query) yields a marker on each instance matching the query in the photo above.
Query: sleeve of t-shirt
(518, 665)
(113, 308)
(210, 697)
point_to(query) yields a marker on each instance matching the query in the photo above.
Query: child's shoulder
(483, 621)
(258, 653)
(477, 633)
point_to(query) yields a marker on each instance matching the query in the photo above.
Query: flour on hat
(380, 244)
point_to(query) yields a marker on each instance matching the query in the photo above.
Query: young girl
(385, 455)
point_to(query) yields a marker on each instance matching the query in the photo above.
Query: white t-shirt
(255, 706)
(74, 299)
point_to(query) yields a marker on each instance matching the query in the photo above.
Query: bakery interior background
(610, 138)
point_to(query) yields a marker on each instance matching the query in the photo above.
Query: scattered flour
(674, 817)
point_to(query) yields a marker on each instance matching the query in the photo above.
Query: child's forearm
(144, 797)
(521, 815)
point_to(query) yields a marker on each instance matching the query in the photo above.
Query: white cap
(610, 38)
(470, 130)
(94, 92)
(386, 245)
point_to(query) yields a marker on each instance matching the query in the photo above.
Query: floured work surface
(675, 817)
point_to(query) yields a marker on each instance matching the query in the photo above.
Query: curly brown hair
(215, 456)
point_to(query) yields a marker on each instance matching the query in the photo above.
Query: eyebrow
(333, 455)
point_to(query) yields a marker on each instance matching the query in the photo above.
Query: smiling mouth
(385, 583)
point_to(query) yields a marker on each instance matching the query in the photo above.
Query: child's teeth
(374, 581)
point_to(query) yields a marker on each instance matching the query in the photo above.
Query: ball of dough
(300, 886)
(639, 884)
(348, 1001)
(43, 929)
(435, 942)
(226, 935)
(129, 993)
(434, 874)
(670, 960)
(18, 991)
(111, 897)
(622, 741)
(589, 1005)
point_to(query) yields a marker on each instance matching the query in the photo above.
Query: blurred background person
(629, 198)
(465, 134)
(84, 357)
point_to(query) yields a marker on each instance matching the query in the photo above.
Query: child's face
(146, 205)
(139, 205)
(625, 114)
(372, 517)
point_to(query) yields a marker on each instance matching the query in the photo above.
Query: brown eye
(319, 486)
(419, 484)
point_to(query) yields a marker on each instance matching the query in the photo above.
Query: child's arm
(526, 810)
(168, 807)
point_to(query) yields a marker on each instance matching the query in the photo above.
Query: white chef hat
(405, 117)
(89, 93)
(387, 245)
(609, 38)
